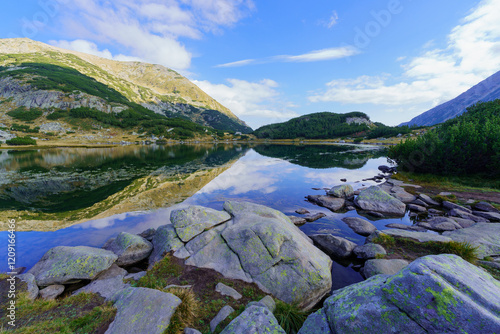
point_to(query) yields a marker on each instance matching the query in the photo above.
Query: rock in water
(277, 255)
(342, 191)
(65, 265)
(130, 248)
(434, 294)
(329, 202)
(142, 310)
(375, 199)
(334, 246)
(369, 251)
(360, 226)
(192, 221)
(255, 320)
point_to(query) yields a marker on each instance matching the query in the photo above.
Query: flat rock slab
(52, 292)
(428, 200)
(383, 267)
(107, 284)
(486, 207)
(130, 248)
(297, 220)
(375, 199)
(485, 236)
(491, 216)
(220, 317)
(359, 225)
(369, 251)
(255, 320)
(442, 224)
(434, 294)
(194, 220)
(227, 291)
(142, 310)
(451, 206)
(418, 236)
(65, 265)
(314, 217)
(334, 246)
(329, 202)
(406, 227)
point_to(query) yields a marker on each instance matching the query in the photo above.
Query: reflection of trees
(321, 156)
(68, 179)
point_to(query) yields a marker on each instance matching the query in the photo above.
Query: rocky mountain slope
(485, 91)
(36, 75)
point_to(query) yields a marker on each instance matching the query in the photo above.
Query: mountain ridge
(485, 91)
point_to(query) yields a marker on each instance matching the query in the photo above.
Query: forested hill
(317, 126)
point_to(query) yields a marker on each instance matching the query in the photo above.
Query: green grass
(289, 317)
(158, 276)
(451, 183)
(493, 271)
(24, 114)
(21, 141)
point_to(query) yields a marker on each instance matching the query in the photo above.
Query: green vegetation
(411, 250)
(387, 131)
(289, 316)
(21, 141)
(464, 146)
(24, 114)
(451, 182)
(80, 314)
(322, 125)
(24, 128)
(186, 312)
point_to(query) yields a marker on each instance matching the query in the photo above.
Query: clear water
(276, 176)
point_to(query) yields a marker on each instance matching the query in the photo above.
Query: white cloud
(472, 54)
(316, 55)
(149, 29)
(259, 99)
(84, 46)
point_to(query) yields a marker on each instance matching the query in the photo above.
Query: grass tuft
(159, 275)
(186, 312)
(290, 317)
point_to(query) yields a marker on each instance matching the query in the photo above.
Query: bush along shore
(249, 269)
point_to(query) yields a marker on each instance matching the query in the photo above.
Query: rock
(400, 194)
(382, 266)
(494, 265)
(334, 246)
(442, 224)
(228, 291)
(350, 208)
(434, 294)
(314, 217)
(406, 227)
(342, 191)
(451, 206)
(148, 234)
(387, 169)
(464, 223)
(375, 199)
(428, 200)
(445, 193)
(255, 320)
(369, 251)
(135, 276)
(66, 265)
(142, 310)
(491, 216)
(466, 215)
(301, 211)
(418, 236)
(435, 212)
(419, 202)
(165, 240)
(174, 286)
(329, 202)
(483, 235)
(297, 220)
(416, 208)
(191, 331)
(360, 226)
(17, 271)
(130, 248)
(32, 288)
(194, 220)
(107, 283)
(268, 302)
(220, 317)
(343, 180)
(375, 214)
(182, 253)
(486, 207)
(52, 292)
(277, 255)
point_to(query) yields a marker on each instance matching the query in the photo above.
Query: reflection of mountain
(70, 179)
(321, 156)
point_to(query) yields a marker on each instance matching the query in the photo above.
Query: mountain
(37, 76)
(485, 91)
(321, 125)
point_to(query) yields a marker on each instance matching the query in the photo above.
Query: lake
(99, 192)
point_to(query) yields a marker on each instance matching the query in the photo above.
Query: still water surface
(278, 176)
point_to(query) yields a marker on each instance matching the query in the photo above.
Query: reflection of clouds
(99, 224)
(251, 173)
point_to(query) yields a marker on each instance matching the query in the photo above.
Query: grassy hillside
(466, 145)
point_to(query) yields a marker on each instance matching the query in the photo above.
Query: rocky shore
(441, 293)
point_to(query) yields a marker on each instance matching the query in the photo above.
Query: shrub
(21, 141)
(357, 140)
(24, 114)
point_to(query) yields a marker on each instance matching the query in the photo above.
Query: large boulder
(359, 225)
(482, 235)
(342, 191)
(375, 199)
(107, 283)
(255, 320)
(434, 294)
(130, 248)
(336, 247)
(165, 240)
(277, 255)
(142, 310)
(65, 265)
(193, 220)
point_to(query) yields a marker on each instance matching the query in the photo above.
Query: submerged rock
(375, 199)
(434, 294)
(65, 265)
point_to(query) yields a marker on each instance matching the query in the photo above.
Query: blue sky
(269, 61)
